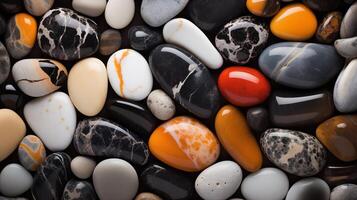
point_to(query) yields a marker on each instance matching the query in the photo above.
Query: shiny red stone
(243, 86)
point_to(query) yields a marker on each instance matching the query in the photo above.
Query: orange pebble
(27, 26)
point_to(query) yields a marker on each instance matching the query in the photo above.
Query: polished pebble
(118, 14)
(147, 196)
(110, 42)
(82, 167)
(344, 192)
(4, 63)
(38, 7)
(258, 119)
(76, 190)
(161, 105)
(329, 28)
(309, 189)
(336, 175)
(348, 26)
(143, 38)
(92, 8)
(347, 47)
(14, 180)
(264, 8)
(31, 152)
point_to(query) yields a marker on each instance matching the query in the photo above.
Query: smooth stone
(14, 180)
(347, 47)
(38, 7)
(299, 65)
(188, 81)
(142, 38)
(329, 28)
(258, 119)
(300, 109)
(235, 136)
(11, 6)
(88, 85)
(69, 26)
(242, 39)
(209, 15)
(53, 119)
(348, 25)
(186, 34)
(110, 42)
(147, 196)
(323, 5)
(161, 105)
(92, 8)
(4, 63)
(11, 97)
(285, 22)
(39, 77)
(111, 173)
(309, 189)
(123, 67)
(119, 14)
(211, 184)
(20, 35)
(157, 12)
(265, 184)
(264, 8)
(31, 152)
(82, 167)
(339, 174)
(2, 25)
(166, 183)
(12, 131)
(184, 143)
(344, 192)
(295, 152)
(101, 137)
(76, 190)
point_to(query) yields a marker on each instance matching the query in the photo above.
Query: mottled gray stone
(4, 63)
(348, 25)
(344, 192)
(79, 190)
(347, 47)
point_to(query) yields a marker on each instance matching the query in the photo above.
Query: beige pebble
(147, 196)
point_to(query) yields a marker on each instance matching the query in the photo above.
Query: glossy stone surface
(74, 37)
(76, 190)
(14, 180)
(38, 7)
(348, 26)
(295, 152)
(92, 8)
(161, 105)
(101, 137)
(235, 136)
(300, 109)
(242, 39)
(4, 63)
(147, 196)
(184, 143)
(142, 38)
(166, 183)
(299, 65)
(329, 28)
(264, 8)
(323, 5)
(51, 177)
(11, 97)
(344, 192)
(110, 42)
(118, 14)
(339, 174)
(82, 167)
(258, 119)
(31, 152)
(347, 47)
(309, 189)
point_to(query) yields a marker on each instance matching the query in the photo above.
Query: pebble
(309, 189)
(142, 38)
(52, 118)
(14, 180)
(12, 131)
(339, 174)
(344, 192)
(157, 12)
(38, 7)
(31, 152)
(2, 25)
(329, 28)
(11, 97)
(291, 16)
(111, 173)
(76, 190)
(161, 105)
(295, 152)
(39, 77)
(20, 35)
(4, 63)
(267, 184)
(81, 31)
(195, 147)
(347, 47)
(119, 14)
(211, 184)
(348, 25)
(258, 119)
(88, 86)
(92, 8)
(242, 39)
(110, 42)
(323, 5)
(147, 196)
(265, 8)
(129, 75)
(186, 34)
(83, 167)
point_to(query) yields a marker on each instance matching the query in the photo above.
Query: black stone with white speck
(142, 38)
(79, 190)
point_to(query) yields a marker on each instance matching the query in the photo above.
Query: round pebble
(31, 152)
(14, 180)
(161, 105)
(92, 8)
(110, 42)
(82, 167)
(38, 7)
(119, 14)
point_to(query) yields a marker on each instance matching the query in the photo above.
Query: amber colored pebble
(263, 8)
(147, 196)
(339, 135)
(184, 143)
(235, 136)
(329, 29)
(294, 22)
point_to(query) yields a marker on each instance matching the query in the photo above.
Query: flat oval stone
(147, 196)
(188, 81)
(119, 14)
(82, 167)
(11, 97)
(111, 173)
(265, 8)
(20, 35)
(142, 38)
(38, 8)
(31, 152)
(101, 137)
(14, 180)
(299, 65)
(12, 131)
(51, 177)
(161, 105)
(284, 23)
(258, 119)
(52, 118)
(344, 192)
(329, 28)
(110, 42)
(242, 39)
(79, 190)
(309, 189)
(323, 5)
(92, 8)
(39, 77)
(235, 136)
(65, 25)
(211, 184)
(123, 67)
(167, 183)
(348, 26)
(272, 184)
(88, 86)
(186, 34)
(4, 63)
(300, 109)
(295, 152)
(338, 174)
(193, 145)
(347, 47)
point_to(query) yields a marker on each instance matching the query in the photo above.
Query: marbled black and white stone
(79, 190)
(38, 7)
(110, 42)
(347, 47)
(101, 137)
(344, 192)
(142, 38)
(349, 21)
(4, 63)
(242, 39)
(65, 35)
(295, 152)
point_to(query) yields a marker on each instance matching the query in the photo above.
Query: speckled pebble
(161, 105)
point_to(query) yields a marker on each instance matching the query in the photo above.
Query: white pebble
(14, 180)
(83, 167)
(161, 105)
(92, 8)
